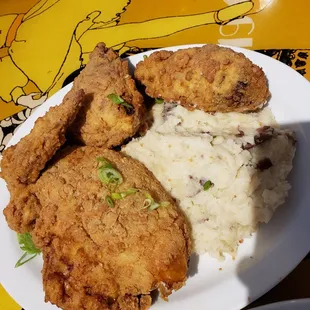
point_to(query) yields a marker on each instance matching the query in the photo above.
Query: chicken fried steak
(104, 243)
(209, 78)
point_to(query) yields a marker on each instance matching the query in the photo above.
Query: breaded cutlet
(210, 78)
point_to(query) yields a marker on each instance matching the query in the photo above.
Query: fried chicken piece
(101, 257)
(102, 122)
(126, 302)
(23, 209)
(22, 163)
(209, 78)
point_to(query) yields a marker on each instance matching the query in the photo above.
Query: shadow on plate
(193, 265)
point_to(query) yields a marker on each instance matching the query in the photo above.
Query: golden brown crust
(22, 211)
(22, 163)
(95, 257)
(210, 78)
(101, 253)
(102, 122)
(128, 302)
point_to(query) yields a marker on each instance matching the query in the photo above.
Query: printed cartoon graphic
(37, 58)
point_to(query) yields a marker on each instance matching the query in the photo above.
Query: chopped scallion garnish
(112, 178)
(107, 174)
(154, 206)
(159, 100)
(119, 100)
(147, 203)
(26, 244)
(109, 201)
(208, 184)
(130, 191)
(115, 98)
(103, 162)
(150, 204)
(118, 196)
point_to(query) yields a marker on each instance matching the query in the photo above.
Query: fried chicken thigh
(98, 256)
(209, 78)
(22, 163)
(102, 122)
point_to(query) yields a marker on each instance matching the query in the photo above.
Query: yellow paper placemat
(6, 302)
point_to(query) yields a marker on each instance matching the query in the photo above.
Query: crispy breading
(101, 257)
(142, 302)
(102, 122)
(22, 163)
(23, 209)
(210, 78)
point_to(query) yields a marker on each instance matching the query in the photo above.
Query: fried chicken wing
(22, 163)
(103, 256)
(102, 122)
(210, 78)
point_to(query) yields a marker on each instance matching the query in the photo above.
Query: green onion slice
(109, 201)
(26, 244)
(23, 260)
(151, 205)
(154, 206)
(104, 162)
(115, 98)
(130, 191)
(207, 185)
(147, 203)
(119, 100)
(159, 100)
(117, 196)
(109, 175)
(127, 105)
(144, 57)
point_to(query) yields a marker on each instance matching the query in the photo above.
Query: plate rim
(300, 301)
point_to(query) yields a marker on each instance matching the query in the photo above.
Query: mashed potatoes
(228, 170)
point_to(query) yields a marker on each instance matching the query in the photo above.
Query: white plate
(275, 250)
(297, 304)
